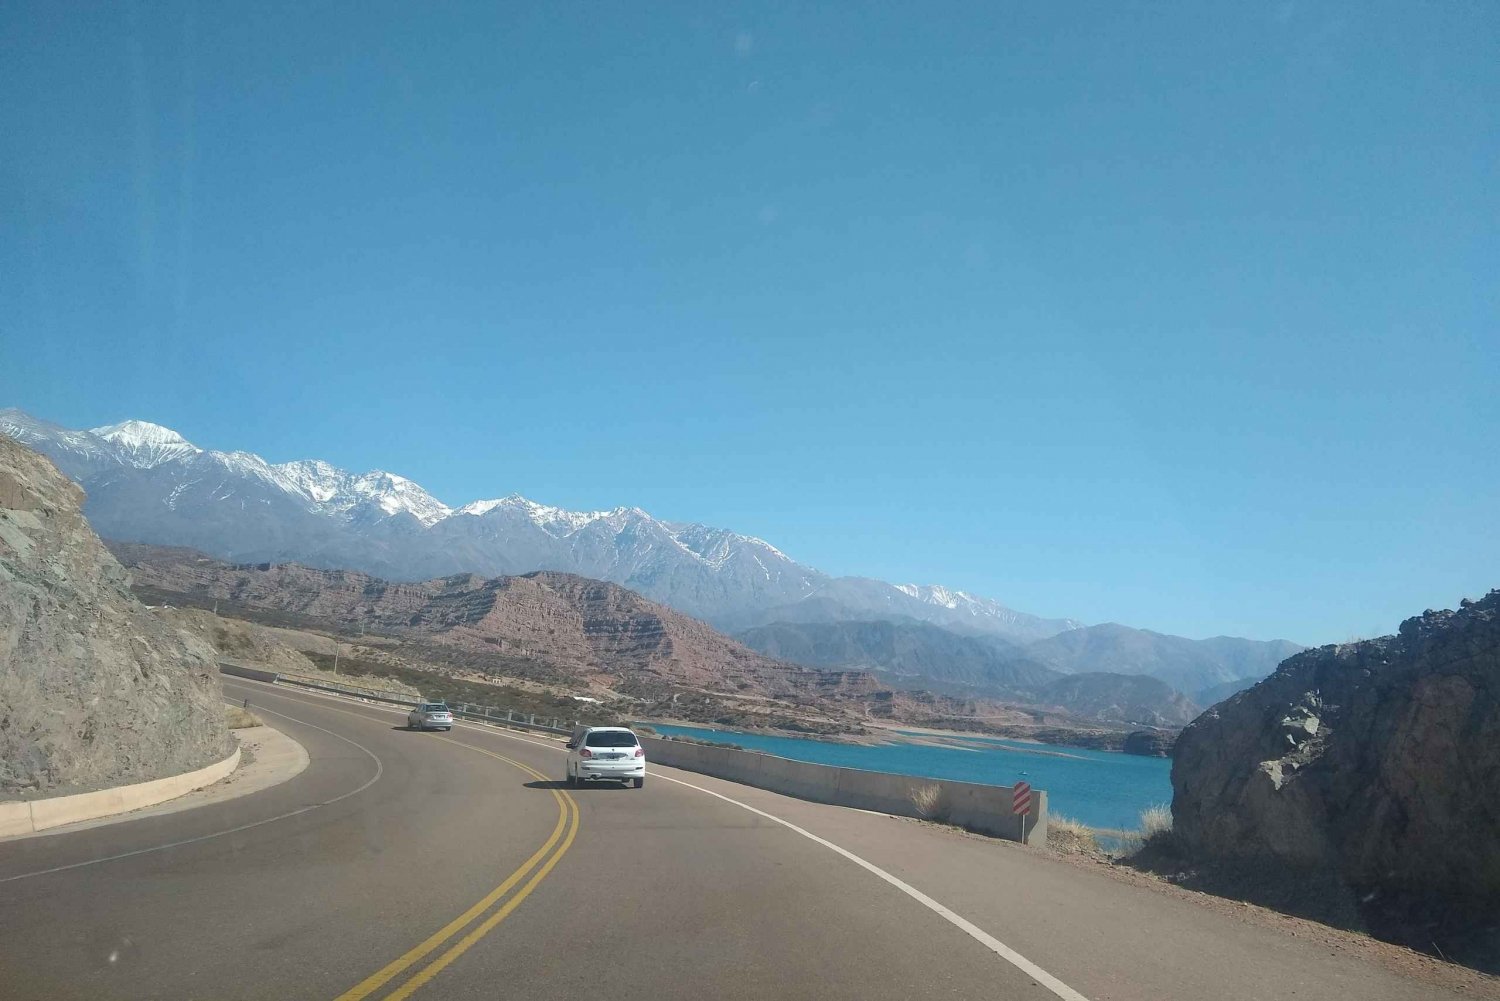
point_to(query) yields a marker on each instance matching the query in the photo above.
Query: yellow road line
(567, 817)
(463, 945)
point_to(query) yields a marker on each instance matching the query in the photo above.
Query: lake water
(1099, 788)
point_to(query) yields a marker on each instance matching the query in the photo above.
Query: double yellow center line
(542, 861)
(551, 851)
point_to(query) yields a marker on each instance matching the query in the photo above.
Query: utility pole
(335, 655)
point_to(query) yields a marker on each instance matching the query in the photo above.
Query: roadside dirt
(1429, 969)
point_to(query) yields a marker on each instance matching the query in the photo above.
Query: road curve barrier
(984, 809)
(33, 816)
(238, 670)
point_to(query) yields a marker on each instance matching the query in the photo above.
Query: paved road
(457, 866)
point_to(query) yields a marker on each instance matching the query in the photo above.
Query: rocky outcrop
(95, 691)
(1378, 761)
(1149, 743)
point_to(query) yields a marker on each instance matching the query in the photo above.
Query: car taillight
(640, 752)
(585, 753)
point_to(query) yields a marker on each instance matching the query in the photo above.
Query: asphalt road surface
(459, 865)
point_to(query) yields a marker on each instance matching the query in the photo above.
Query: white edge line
(989, 941)
(379, 770)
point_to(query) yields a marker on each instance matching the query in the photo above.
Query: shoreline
(890, 736)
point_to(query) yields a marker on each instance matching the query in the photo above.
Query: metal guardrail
(494, 715)
(328, 686)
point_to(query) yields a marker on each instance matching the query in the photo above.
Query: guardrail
(355, 690)
(493, 715)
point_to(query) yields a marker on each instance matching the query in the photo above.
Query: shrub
(240, 719)
(1156, 833)
(1064, 834)
(928, 799)
(1156, 821)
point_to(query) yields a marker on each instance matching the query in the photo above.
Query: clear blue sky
(1180, 318)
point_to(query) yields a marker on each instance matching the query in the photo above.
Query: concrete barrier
(242, 671)
(970, 805)
(33, 816)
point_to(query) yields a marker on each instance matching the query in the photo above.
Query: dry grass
(1066, 835)
(240, 719)
(1156, 821)
(1155, 833)
(928, 799)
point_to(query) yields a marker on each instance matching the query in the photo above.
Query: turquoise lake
(1099, 788)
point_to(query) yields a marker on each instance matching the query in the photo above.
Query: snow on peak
(140, 433)
(145, 445)
(480, 507)
(512, 501)
(555, 521)
(314, 479)
(337, 491)
(937, 594)
(394, 494)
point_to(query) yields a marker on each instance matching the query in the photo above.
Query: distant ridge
(148, 483)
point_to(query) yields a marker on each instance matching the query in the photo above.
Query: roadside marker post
(1020, 804)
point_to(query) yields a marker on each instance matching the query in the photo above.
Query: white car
(605, 752)
(430, 716)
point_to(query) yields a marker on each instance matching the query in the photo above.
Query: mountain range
(147, 483)
(557, 627)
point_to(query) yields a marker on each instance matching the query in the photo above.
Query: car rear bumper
(602, 770)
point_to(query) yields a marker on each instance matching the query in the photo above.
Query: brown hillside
(586, 628)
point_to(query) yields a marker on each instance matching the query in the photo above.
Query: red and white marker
(1020, 798)
(1020, 804)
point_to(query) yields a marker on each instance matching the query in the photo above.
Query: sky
(1183, 316)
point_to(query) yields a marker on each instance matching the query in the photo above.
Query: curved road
(458, 866)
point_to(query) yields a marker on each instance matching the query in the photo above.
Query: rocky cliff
(95, 691)
(1378, 761)
(1149, 743)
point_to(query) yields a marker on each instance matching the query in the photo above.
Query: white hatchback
(605, 752)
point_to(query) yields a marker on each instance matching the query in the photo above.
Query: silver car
(430, 716)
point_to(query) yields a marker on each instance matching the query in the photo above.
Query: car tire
(639, 782)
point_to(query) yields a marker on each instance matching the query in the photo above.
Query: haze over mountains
(146, 483)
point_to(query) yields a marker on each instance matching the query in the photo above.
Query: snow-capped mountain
(145, 445)
(348, 495)
(142, 445)
(147, 483)
(981, 609)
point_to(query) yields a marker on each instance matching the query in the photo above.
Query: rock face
(1149, 743)
(95, 691)
(1378, 760)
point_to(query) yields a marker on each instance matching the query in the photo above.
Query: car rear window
(436, 707)
(610, 738)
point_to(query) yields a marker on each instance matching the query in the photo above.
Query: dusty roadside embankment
(95, 691)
